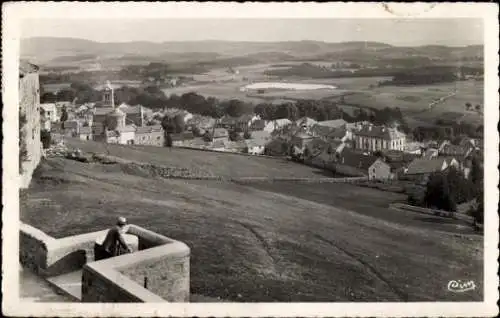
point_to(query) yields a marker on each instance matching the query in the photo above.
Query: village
(345, 148)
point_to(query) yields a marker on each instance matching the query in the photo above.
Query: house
(430, 153)
(255, 147)
(71, 127)
(454, 150)
(172, 112)
(324, 128)
(99, 114)
(414, 148)
(257, 143)
(340, 134)
(373, 138)
(353, 163)
(277, 124)
(124, 135)
(324, 154)
(64, 104)
(305, 122)
(258, 125)
(50, 111)
(235, 146)
(300, 139)
(220, 134)
(181, 139)
(134, 114)
(150, 136)
(85, 133)
(420, 169)
(398, 160)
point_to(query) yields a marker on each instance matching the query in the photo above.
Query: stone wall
(164, 261)
(48, 256)
(34, 246)
(29, 104)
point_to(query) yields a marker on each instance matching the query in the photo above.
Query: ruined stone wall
(29, 103)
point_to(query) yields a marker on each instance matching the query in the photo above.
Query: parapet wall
(163, 261)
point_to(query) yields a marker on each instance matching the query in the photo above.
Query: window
(158, 138)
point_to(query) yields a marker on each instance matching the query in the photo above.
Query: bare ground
(249, 243)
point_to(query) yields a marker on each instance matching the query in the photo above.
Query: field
(233, 165)
(257, 244)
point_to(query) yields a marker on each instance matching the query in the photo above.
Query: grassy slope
(218, 164)
(262, 246)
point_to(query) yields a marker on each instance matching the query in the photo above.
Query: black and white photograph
(179, 160)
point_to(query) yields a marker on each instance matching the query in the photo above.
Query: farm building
(358, 164)
(420, 169)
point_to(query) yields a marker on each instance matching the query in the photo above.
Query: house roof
(220, 132)
(305, 121)
(102, 110)
(148, 129)
(337, 133)
(302, 135)
(335, 123)
(127, 128)
(454, 150)
(48, 106)
(393, 155)
(182, 136)
(357, 160)
(421, 165)
(85, 130)
(132, 109)
(258, 124)
(379, 132)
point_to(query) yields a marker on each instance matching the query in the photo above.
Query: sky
(399, 32)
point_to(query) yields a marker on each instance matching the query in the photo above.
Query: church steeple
(108, 96)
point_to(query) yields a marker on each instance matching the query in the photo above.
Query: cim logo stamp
(458, 286)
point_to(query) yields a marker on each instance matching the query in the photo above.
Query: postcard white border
(14, 12)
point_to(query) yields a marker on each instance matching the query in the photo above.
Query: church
(110, 123)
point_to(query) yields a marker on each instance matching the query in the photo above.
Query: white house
(50, 111)
(277, 124)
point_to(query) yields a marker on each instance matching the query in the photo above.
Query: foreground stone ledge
(161, 262)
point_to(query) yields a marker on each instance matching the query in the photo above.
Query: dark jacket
(114, 243)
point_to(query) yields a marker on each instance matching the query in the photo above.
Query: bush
(247, 135)
(46, 138)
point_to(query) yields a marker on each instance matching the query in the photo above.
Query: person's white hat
(121, 221)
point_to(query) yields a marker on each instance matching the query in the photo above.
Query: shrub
(46, 138)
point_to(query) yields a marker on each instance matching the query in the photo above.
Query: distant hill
(49, 50)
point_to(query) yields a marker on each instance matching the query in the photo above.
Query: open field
(254, 245)
(418, 97)
(233, 165)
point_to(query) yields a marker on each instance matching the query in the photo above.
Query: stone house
(150, 136)
(352, 163)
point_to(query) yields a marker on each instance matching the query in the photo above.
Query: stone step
(70, 284)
